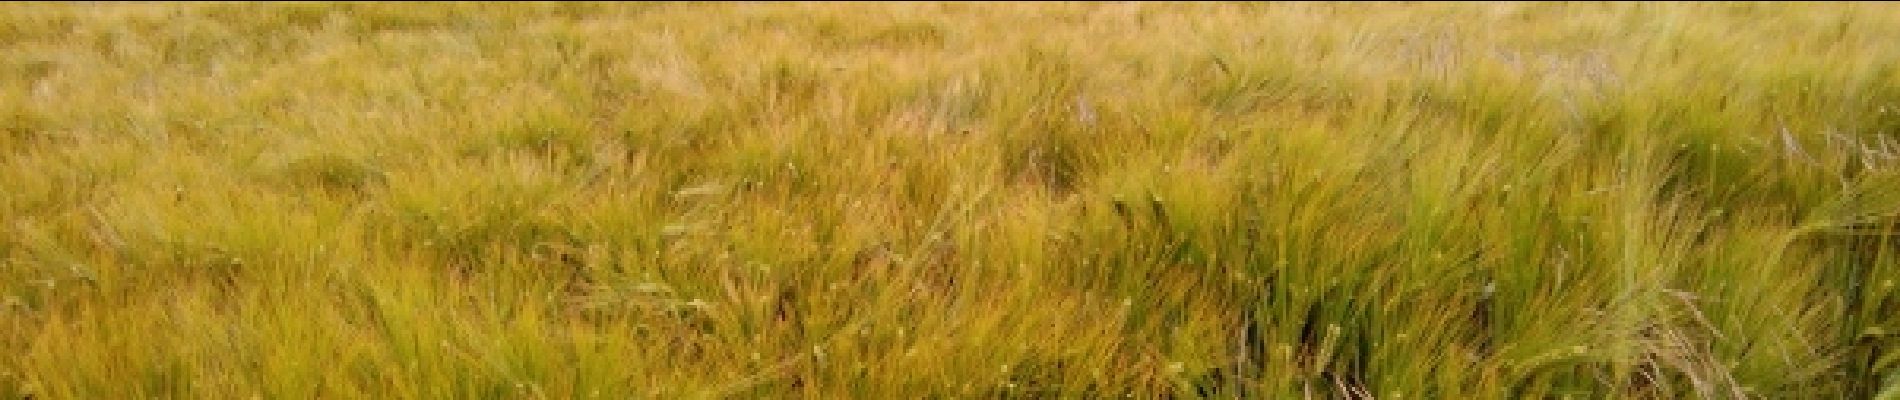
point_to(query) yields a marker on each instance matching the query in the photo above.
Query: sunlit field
(950, 200)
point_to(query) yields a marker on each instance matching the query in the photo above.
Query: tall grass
(950, 200)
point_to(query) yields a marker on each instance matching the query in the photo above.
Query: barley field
(950, 200)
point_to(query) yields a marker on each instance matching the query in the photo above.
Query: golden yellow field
(949, 200)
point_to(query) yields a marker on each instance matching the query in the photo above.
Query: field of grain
(949, 200)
